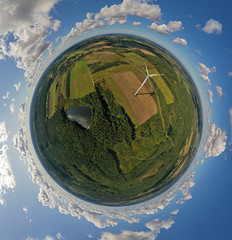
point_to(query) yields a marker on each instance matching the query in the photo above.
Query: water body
(80, 114)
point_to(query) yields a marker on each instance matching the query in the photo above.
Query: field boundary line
(89, 73)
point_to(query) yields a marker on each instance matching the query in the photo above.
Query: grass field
(161, 84)
(52, 99)
(138, 60)
(80, 81)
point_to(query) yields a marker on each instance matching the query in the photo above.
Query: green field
(161, 84)
(138, 60)
(80, 81)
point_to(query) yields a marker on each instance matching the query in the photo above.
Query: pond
(80, 114)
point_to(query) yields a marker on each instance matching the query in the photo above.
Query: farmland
(135, 147)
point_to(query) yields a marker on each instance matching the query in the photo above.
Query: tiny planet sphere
(116, 120)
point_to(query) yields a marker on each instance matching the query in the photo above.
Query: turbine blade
(141, 85)
(147, 70)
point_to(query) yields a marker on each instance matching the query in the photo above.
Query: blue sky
(199, 34)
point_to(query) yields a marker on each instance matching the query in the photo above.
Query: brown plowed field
(143, 105)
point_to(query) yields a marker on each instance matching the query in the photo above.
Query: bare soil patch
(143, 105)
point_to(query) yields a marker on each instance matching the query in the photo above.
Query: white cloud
(17, 86)
(12, 107)
(62, 209)
(204, 72)
(6, 95)
(156, 225)
(7, 180)
(210, 95)
(202, 161)
(216, 142)
(219, 91)
(118, 13)
(229, 74)
(174, 212)
(198, 51)
(212, 26)
(136, 23)
(59, 236)
(48, 237)
(115, 14)
(46, 198)
(180, 41)
(25, 209)
(81, 27)
(230, 112)
(128, 235)
(29, 23)
(89, 236)
(172, 26)
(185, 188)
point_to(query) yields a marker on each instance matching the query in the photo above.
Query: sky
(32, 34)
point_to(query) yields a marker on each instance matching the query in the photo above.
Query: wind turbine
(148, 76)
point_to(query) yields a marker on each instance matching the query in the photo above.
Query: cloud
(210, 95)
(46, 198)
(17, 86)
(128, 235)
(185, 188)
(156, 225)
(25, 209)
(118, 13)
(219, 91)
(204, 72)
(212, 26)
(6, 95)
(59, 236)
(230, 113)
(82, 27)
(12, 107)
(7, 180)
(174, 212)
(136, 23)
(198, 51)
(28, 23)
(229, 74)
(89, 236)
(180, 41)
(48, 237)
(216, 142)
(172, 26)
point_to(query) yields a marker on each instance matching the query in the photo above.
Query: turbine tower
(148, 76)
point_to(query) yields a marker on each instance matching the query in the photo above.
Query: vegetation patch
(81, 82)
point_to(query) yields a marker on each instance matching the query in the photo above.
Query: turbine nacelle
(148, 76)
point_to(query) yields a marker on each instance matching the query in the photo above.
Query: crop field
(120, 97)
(117, 69)
(161, 84)
(103, 54)
(52, 99)
(138, 60)
(80, 81)
(143, 105)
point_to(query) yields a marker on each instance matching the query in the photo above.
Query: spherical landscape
(102, 137)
